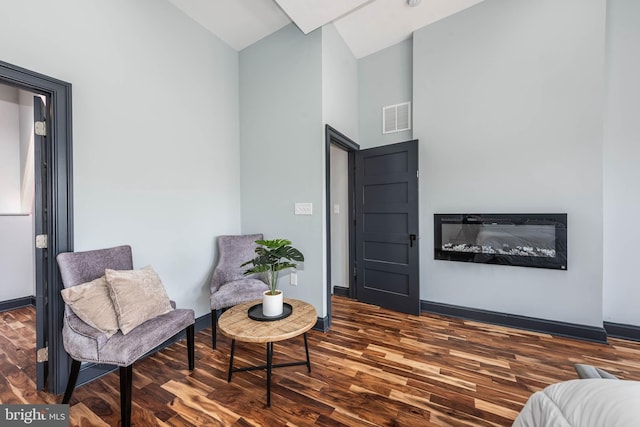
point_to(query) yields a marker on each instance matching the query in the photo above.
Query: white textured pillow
(92, 303)
(137, 295)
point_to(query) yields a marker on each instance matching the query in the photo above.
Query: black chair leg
(214, 328)
(126, 385)
(71, 383)
(190, 346)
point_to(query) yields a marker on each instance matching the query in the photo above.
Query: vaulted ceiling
(367, 26)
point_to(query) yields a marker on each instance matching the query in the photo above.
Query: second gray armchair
(229, 285)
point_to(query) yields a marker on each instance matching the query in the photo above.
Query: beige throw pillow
(137, 295)
(92, 303)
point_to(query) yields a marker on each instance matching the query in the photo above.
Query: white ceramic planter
(272, 304)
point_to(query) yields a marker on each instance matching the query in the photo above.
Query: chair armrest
(217, 279)
(77, 326)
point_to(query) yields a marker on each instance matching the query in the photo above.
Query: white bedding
(583, 403)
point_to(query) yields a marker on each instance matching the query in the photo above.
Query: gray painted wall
(155, 129)
(282, 150)
(508, 110)
(621, 157)
(339, 84)
(384, 78)
(9, 150)
(497, 88)
(340, 110)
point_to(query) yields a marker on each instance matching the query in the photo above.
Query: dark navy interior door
(387, 256)
(41, 152)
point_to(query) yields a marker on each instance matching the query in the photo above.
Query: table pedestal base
(269, 366)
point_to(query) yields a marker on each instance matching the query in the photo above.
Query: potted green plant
(273, 256)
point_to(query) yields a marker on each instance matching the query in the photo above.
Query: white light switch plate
(303, 208)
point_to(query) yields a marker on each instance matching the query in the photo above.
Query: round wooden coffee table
(236, 324)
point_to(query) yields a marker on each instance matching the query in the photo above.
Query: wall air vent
(396, 118)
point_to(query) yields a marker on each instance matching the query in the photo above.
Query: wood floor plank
(200, 411)
(82, 416)
(374, 367)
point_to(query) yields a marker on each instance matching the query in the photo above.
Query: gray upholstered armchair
(229, 285)
(85, 343)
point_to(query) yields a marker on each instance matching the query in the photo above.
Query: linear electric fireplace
(527, 240)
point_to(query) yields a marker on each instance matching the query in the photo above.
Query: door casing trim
(334, 137)
(60, 211)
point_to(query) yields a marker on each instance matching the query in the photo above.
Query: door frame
(338, 139)
(60, 195)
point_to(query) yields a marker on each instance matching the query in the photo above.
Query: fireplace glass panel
(529, 240)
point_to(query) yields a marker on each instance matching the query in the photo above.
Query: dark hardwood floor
(374, 367)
